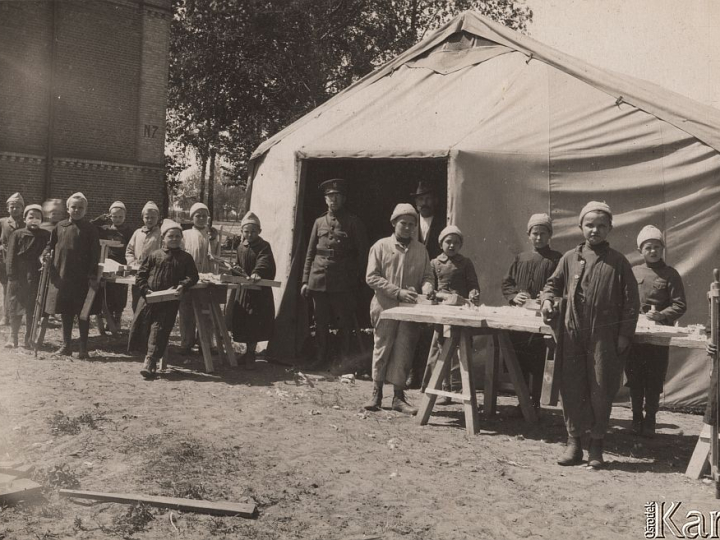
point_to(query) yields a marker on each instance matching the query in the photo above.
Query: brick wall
(110, 80)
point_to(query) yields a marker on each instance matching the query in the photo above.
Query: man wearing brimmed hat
(430, 221)
(334, 262)
(600, 319)
(398, 270)
(8, 225)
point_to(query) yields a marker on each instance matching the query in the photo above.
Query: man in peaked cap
(334, 264)
(8, 225)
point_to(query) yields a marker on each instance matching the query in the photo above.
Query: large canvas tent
(507, 127)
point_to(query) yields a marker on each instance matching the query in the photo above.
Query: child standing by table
(662, 299)
(164, 268)
(602, 312)
(23, 270)
(112, 226)
(254, 311)
(453, 274)
(8, 225)
(524, 281)
(76, 246)
(144, 241)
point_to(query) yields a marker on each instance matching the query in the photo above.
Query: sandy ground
(316, 464)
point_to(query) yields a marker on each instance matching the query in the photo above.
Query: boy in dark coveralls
(602, 312)
(453, 274)
(23, 271)
(162, 269)
(112, 226)
(662, 299)
(254, 311)
(524, 281)
(8, 225)
(77, 251)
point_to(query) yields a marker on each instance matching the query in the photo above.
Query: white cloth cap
(649, 232)
(450, 229)
(540, 219)
(32, 207)
(16, 197)
(595, 206)
(77, 195)
(197, 206)
(117, 204)
(250, 218)
(150, 205)
(169, 224)
(403, 209)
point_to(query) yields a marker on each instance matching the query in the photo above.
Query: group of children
(165, 255)
(604, 294)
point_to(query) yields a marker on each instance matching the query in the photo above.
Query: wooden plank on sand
(186, 505)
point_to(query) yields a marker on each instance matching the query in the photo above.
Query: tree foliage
(241, 70)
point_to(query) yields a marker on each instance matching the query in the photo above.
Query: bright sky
(673, 43)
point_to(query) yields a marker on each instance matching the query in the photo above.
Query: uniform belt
(325, 252)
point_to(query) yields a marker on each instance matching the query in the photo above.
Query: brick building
(83, 89)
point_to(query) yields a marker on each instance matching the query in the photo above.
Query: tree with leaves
(241, 71)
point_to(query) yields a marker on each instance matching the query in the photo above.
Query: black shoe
(375, 400)
(149, 368)
(65, 350)
(83, 352)
(637, 424)
(649, 426)
(573, 454)
(595, 454)
(249, 360)
(400, 404)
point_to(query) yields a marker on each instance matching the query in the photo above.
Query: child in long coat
(254, 311)
(76, 244)
(163, 269)
(24, 252)
(602, 312)
(8, 225)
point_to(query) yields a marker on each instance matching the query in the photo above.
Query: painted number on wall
(149, 131)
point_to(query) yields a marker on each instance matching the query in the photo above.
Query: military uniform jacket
(661, 286)
(609, 303)
(336, 253)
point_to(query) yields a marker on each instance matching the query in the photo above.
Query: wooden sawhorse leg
(204, 327)
(459, 337)
(492, 374)
(513, 366)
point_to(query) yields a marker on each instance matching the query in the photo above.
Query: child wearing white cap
(76, 246)
(662, 299)
(456, 274)
(23, 252)
(398, 270)
(600, 319)
(162, 269)
(112, 226)
(144, 241)
(524, 281)
(8, 225)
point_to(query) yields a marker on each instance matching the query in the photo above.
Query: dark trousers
(162, 321)
(135, 293)
(336, 309)
(6, 301)
(67, 325)
(646, 369)
(530, 350)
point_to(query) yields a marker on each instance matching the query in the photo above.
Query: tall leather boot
(400, 404)
(573, 454)
(637, 397)
(652, 404)
(595, 454)
(376, 399)
(321, 342)
(149, 367)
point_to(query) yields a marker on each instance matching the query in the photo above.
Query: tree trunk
(203, 160)
(211, 184)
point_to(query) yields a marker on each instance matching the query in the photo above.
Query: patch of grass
(62, 424)
(188, 490)
(218, 526)
(135, 520)
(78, 524)
(61, 476)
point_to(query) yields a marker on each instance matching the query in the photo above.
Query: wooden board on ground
(18, 489)
(186, 505)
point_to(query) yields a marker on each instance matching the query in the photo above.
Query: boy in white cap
(8, 225)
(524, 281)
(144, 241)
(602, 312)
(162, 269)
(112, 226)
(76, 246)
(23, 270)
(196, 241)
(398, 270)
(254, 311)
(453, 274)
(662, 299)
